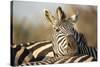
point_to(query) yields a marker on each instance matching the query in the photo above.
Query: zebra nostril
(69, 45)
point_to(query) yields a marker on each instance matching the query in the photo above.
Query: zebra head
(60, 22)
(63, 26)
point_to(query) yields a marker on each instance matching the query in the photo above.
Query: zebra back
(63, 59)
(20, 54)
(31, 52)
(40, 48)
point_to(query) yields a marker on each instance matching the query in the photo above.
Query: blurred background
(29, 23)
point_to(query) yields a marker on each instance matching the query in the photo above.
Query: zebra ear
(48, 15)
(60, 14)
(75, 17)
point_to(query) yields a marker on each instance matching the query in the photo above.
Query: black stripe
(79, 50)
(37, 63)
(12, 57)
(64, 60)
(23, 55)
(64, 42)
(60, 35)
(95, 53)
(76, 35)
(73, 59)
(91, 51)
(39, 45)
(61, 51)
(13, 53)
(32, 63)
(43, 62)
(83, 59)
(88, 51)
(43, 53)
(60, 40)
(32, 59)
(84, 50)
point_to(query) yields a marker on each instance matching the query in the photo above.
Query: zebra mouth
(69, 51)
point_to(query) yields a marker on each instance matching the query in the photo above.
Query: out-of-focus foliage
(25, 32)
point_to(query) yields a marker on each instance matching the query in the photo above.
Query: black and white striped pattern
(82, 45)
(19, 55)
(31, 52)
(63, 29)
(40, 48)
(61, 45)
(63, 59)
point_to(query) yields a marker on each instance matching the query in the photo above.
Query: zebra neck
(79, 38)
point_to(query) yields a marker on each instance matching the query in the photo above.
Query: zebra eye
(57, 30)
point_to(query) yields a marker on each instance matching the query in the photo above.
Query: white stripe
(89, 59)
(60, 38)
(63, 40)
(59, 34)
(78, 37)
(36, 44)
(65, 44)
(78, 59)
(28, 58)
(67, 61)
(37, 51)
(18, 55)
(59, 60)
(51, 54)
(60, 51)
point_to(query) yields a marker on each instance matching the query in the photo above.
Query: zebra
(31, 52)
(63, 59)
(44, 49)
(36, 51)
(66, 39)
